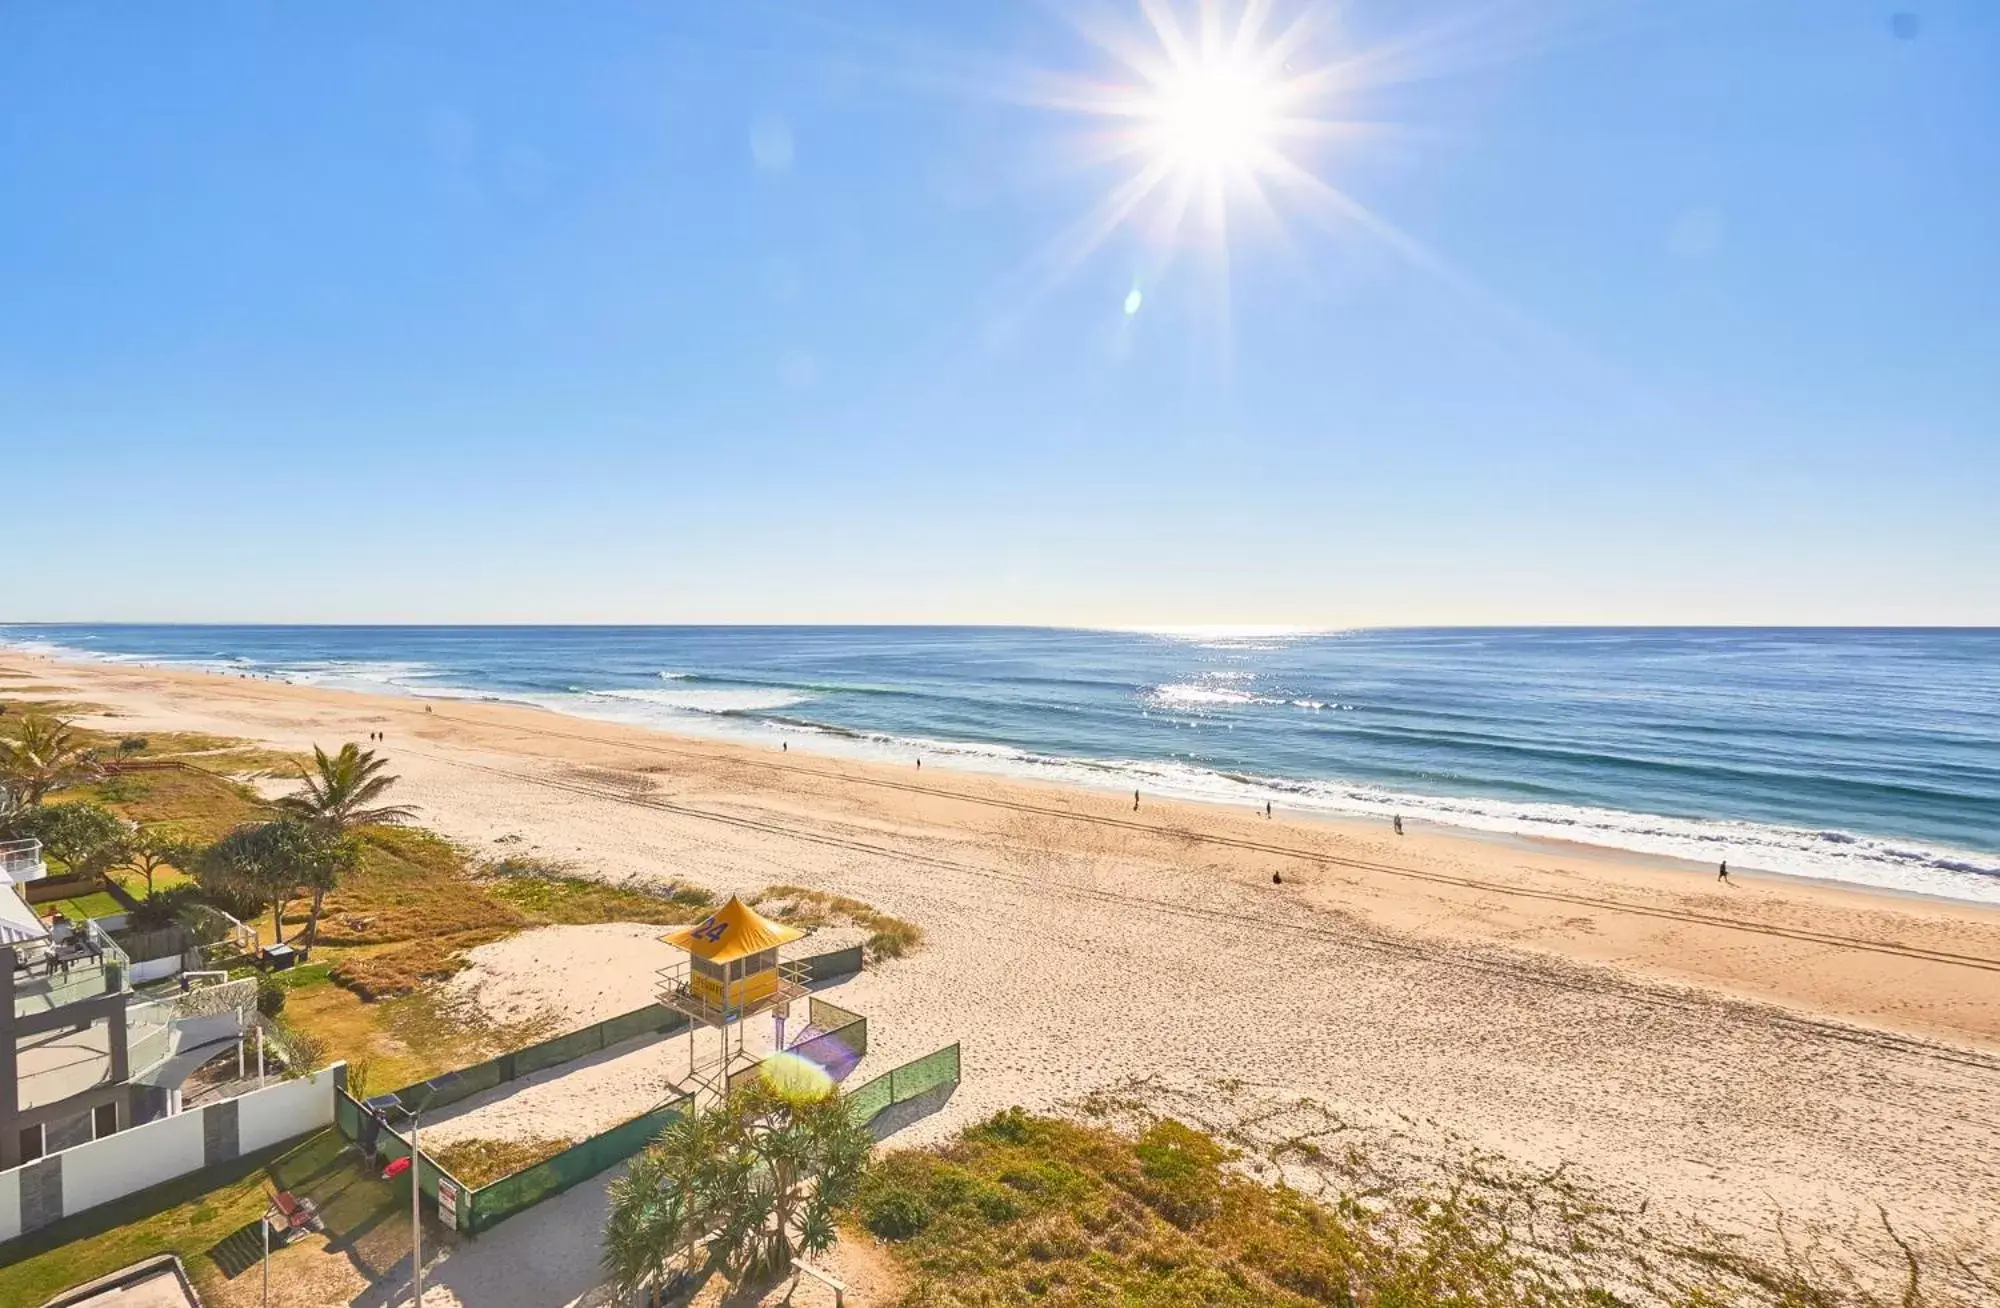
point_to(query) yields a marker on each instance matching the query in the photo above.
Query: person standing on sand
(784, 747)
(1267, 808)
(1722, 873)
(1399, 824)
(1135, 801)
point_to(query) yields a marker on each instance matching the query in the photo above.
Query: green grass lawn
(164, 879)
(97, 904)
(195, 1214)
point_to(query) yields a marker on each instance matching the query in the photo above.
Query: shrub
(132, 745)
(1178, 1169)
(996, 1205)
(270, 996)
(303, 1052)
(896, 1214)
(163, 908)
(1008, 1126)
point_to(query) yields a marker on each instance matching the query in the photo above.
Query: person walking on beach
(1722, 873)
(1399, 824)
(1267, 808)
(1135, 801)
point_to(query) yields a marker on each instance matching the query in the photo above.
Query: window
(104, 1120)
(31, 1142)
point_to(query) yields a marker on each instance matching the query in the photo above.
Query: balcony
(84, 963)
(21, 860)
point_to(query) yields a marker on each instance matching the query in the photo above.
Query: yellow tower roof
(733, 931)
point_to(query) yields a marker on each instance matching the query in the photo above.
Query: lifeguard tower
(732, 973)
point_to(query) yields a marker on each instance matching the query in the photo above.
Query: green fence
(389, 1146)
(501, 1199)
(829, 966)
(480, 1209)
(653, 1019)
(842, 1040)
(468, 1081)
(899, 1085)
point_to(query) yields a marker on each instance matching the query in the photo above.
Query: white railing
(21, 860)
(225, 933)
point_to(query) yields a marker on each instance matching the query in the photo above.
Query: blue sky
(1676, 312)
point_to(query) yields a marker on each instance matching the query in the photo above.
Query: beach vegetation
(552, 894)
(801, 906)
(478, 1161)
(753, 1183)
(270, 863)
(1029, 1208)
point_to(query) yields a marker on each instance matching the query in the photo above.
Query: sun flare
(1214, 116)
(1222, 120)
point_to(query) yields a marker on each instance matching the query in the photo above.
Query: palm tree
(338, 789)
(46, 755)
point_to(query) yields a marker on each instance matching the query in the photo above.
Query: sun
(1219, 121)
(1214, 117)
(1217, 114)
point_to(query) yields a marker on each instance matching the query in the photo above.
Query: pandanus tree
(339, 789)
(46, 754)
(757, 1180)
(270, 863)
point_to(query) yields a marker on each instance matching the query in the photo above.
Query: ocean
(1866, 756)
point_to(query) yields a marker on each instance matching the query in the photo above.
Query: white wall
(117, 1165)
(10, 1204)
(155, 968)
(279, 1112)
(131, 1160)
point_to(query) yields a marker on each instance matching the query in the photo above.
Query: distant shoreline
(785, 704)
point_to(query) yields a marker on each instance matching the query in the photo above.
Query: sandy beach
(1724, 1051)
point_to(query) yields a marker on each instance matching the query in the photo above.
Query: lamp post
(266, 1224)
(416, 1216)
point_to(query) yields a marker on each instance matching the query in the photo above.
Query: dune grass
(480, 1162)
(1029, 1209)
(550, 893)
(203, 805)
(888, 937)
